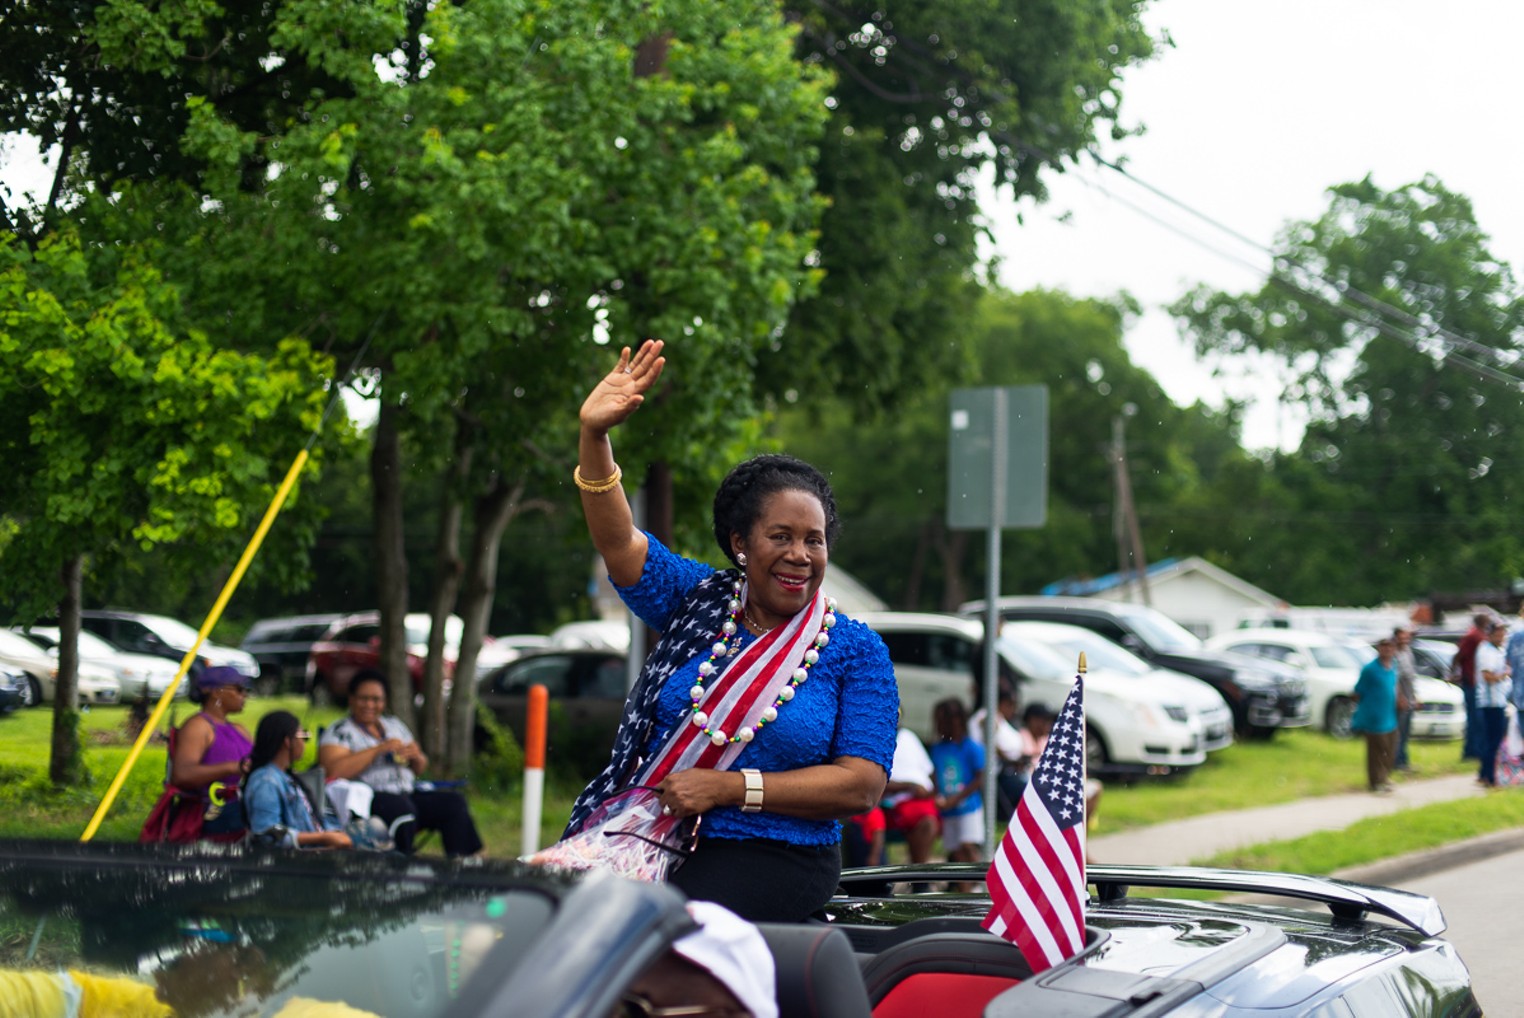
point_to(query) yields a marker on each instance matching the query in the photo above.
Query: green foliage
(896, 538)
(498, 765)
(928, 96)
(1400, 331)
(123, 430)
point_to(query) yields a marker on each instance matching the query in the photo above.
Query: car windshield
(1340, 656)
(1162, 633)
(1034, 659)
(14, 643)
(1071, 641)
(418, 627)
(90, 645)
(171, 631)
(214, 937)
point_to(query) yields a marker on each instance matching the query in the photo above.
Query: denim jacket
(278, 809)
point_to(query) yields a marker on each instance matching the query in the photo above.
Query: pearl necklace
(723, 649)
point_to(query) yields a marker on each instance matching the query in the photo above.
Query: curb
(1414, 865)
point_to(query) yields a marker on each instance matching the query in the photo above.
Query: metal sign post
(997, 478)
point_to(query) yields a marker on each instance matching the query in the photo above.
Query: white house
(1204, 598)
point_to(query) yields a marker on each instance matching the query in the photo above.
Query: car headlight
(1176, 714)
(1253, 680)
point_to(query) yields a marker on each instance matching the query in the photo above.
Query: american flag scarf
(734, 697)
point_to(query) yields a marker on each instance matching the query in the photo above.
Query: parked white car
(136, 674)
(1132, 727)
(1331, 665)
(1117, 663)
(96, 684)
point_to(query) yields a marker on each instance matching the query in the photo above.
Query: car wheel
(1341, 710)
(268, 683)
(31, 693)
(320, 694)
(1096, 757)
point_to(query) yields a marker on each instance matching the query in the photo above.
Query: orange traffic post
(534, 766)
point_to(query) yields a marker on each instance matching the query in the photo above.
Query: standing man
(1463, 674)
(1407, 693)
(1493, 686)
(1376, 715)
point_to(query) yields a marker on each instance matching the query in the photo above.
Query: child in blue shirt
(958, 763)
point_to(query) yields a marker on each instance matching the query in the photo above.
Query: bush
(499, 762)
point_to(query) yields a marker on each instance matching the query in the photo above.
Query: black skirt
(760, 879)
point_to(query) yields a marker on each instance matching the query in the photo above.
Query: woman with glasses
(211, 751)
(279, 811)
(373, 747)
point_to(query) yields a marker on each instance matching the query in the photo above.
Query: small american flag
(1037, 879)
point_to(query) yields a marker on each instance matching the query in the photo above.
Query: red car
(352, 646)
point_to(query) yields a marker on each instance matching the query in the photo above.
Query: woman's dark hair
(738, 502)
(273, 731)
(364, 677)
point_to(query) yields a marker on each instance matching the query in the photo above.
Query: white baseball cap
(733, 951)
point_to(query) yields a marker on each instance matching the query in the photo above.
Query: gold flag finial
(1082, 663)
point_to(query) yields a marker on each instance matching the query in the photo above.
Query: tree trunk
(66, 762)
(391, 560)
(493, 512)
(911, 600)
(953, 546)
(447, 573)
(659, 501)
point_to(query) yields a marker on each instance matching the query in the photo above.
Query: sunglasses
(633, 1005)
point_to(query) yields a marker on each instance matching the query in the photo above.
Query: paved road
(1480, 900)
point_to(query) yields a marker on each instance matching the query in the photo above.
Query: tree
(474, 203)
(124, 430)
(896, 539)
(929, 96)
(1402, 334)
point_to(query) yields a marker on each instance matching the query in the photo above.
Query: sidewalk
(1184, 841)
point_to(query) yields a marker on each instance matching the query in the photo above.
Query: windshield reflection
(250, 933)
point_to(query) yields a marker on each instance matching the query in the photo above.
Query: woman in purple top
(212, 752)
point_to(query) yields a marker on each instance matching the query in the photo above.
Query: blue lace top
(849, 706)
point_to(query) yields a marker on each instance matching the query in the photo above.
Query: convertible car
(130, 930)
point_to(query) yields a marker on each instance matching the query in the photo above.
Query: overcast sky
(1257, 109)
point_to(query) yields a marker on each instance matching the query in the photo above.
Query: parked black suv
(1264, 696)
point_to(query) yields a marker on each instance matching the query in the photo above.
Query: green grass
(31, 808)
(1294, 765)
(1381, 837)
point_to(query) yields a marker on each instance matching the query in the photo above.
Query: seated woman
(211, 752)
(277, 807)
(373, 747)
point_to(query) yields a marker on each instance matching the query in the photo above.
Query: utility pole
(1129, 535)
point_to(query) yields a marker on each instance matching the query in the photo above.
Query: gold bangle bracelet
(597, 487)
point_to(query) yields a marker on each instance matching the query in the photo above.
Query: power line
(1343, 287)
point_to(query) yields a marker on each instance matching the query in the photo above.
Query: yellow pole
(206, 627)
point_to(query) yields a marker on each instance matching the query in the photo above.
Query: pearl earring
(741, 559)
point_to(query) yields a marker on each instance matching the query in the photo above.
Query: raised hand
(620, 392)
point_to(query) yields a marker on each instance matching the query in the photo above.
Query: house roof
(1159, 571)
